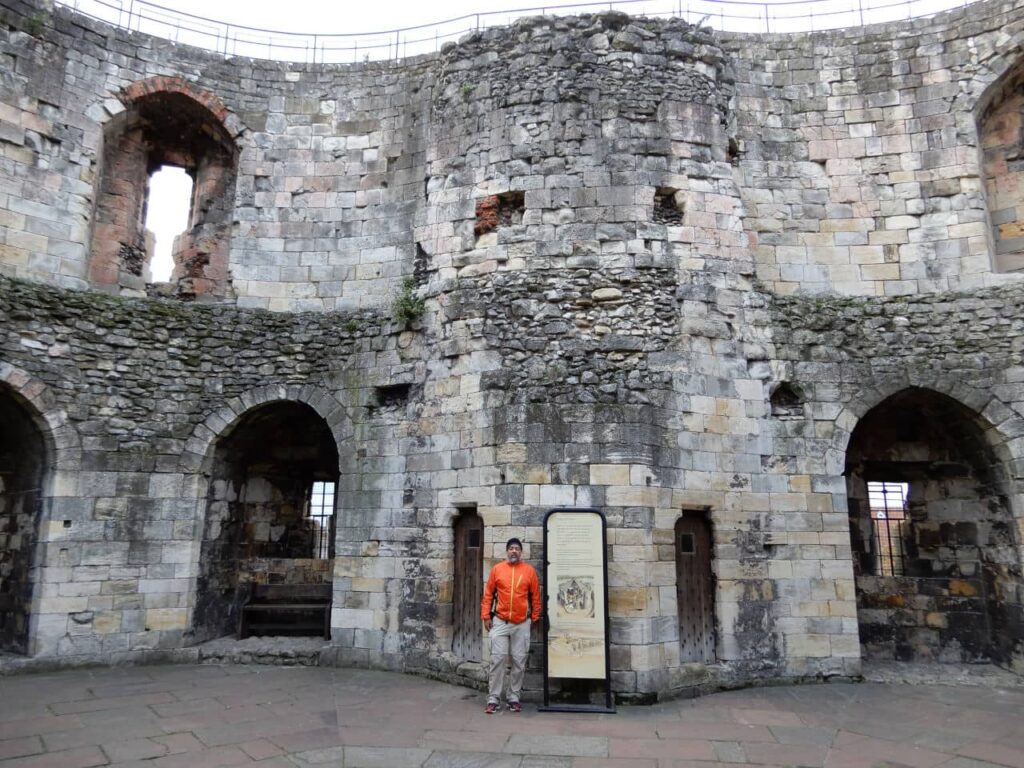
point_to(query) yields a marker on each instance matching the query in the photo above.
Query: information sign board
(576, 603)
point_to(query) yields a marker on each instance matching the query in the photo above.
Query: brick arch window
(1001, 136)
(166, 122)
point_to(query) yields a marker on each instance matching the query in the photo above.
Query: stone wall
(573, 262)
(860, 157)
(890, 360)
(137, 378)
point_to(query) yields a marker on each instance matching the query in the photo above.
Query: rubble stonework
(598, 261)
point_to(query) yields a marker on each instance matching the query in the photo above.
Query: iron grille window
(321, 513)
(888, 505)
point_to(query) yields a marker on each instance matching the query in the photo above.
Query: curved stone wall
(573, 262)
(861, 163)
(855, 154)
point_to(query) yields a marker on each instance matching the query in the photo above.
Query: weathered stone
(538, 268)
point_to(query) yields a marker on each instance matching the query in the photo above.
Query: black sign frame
(609, 703)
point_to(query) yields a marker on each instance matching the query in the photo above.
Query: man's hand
(487, 625)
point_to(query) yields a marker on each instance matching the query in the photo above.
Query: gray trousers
(507, 639)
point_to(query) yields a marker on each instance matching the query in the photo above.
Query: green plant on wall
(407, 305)
(36, 24)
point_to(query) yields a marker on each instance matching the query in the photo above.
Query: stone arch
(165, 121)
(991, 85)
(255, 501)
(62, 443)
(999, 423)
(33, 434)
(197, 457)
(930, 480)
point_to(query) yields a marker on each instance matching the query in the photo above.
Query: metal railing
(232, 39)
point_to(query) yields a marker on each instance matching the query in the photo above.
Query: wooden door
(695, 589)
(467, 640)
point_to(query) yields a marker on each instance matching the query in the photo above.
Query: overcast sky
(329, 17)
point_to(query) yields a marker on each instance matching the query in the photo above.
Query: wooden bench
(287, 609)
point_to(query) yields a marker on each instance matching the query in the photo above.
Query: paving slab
(300, 717)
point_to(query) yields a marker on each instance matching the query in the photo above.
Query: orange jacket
(513, 584)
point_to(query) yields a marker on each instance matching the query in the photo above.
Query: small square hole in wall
(511, 207)
(504, 210)
(787, 401)
(668, 206)
(391, 395)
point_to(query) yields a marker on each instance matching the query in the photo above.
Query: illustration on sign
(575, 597)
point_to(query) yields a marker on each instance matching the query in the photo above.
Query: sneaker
(515, 706)
(491, 708)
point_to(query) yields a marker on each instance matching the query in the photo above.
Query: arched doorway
(932, 534)
(22, 469)
(268, 539)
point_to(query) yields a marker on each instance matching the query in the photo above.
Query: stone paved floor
(288, 717)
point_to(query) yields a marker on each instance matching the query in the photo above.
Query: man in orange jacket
(515, 585)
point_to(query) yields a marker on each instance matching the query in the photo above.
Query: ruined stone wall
(923, 582)
(850, 356)
(860, 158)
(329, 168)
(548, 266)
(858, 154)
(137, 379)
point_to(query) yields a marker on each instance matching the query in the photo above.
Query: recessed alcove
(164, 127)
(22, 462)
(1001, 137)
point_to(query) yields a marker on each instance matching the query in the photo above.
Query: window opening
(392, 395)
(888, 504)
(668, 206)
(321, 511)
(1002, 141)
(168, 208)
(787, 401)
(494, 211)
(686, 545)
